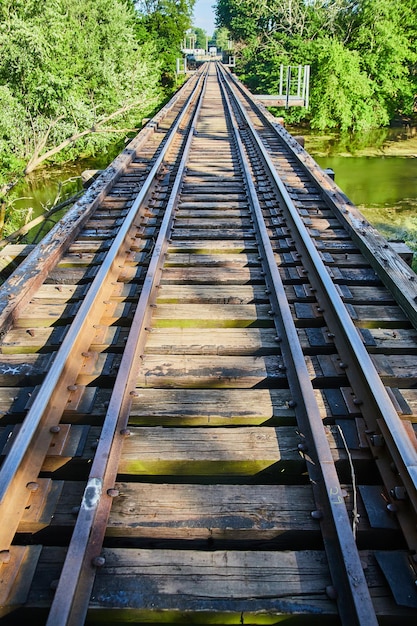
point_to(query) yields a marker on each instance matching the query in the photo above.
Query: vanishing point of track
(208, 390)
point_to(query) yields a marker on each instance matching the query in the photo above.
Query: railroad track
(208, 390)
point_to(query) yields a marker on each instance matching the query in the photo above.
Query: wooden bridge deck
(183, 464)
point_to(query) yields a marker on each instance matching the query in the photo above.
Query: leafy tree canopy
(74, 72)
(165, 22)
(222, 38)
(362, 54)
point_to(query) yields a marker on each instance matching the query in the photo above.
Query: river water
(376, 170)
(52, 185)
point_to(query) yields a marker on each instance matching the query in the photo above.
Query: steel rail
(47, 407)
(70, 603)
(376, 389)
(17, 290)
(403, 449)
(354, 601)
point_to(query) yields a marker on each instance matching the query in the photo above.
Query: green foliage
(221, 38)
(363, 54)
(82, 70)
(382, 38)
(13, 123)
(343, 94)
(200, 37)
(165, 22)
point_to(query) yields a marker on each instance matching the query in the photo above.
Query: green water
(52, 185)
(384, 188)
(378, 172)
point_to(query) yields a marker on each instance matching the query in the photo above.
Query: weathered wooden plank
(212, 260)
(231, 371)
(201, 207)
(345, 260)
(16, 578)
(13, 400)
(322, 223)
(408, 401)
(396, 370)
(191, 407)
(223, 587)
(246, 274)
(88, 246)
(223, 407)
(204, 371)
(329, 233)
(220, 451)
(195, 233)
(39, 315)
(187, 581)
(225, 294)
(376, 315)
(362, 294)
(221, 342)
(30, 340)
(390, 340)
(353, 276)
(347, 246)
(211, 315)
(195, 188)
(227, 513)
(206, 275)
(219, 168)
(211, 407)
(22, 370)
(10, 257)
(50, 293)
(19, 369)
(212, 246)
(211, 211)
(216, 294)
(218, 225)
(78, 259)
(281, 459)
(14, 250)
(208, 512)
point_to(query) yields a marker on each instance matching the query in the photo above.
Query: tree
(221, 38)
(200, 37)
(362, 52)
(381, 35)
(343, 96)
(65, 68)
(165, 23)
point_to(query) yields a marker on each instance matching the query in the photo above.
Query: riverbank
(400, 141)
(377, 170)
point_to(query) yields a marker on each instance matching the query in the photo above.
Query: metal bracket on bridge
(182, 66)
(400, 576)
(294, 88)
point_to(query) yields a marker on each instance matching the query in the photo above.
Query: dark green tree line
(165, 22)
(362, 54)
(75, 72)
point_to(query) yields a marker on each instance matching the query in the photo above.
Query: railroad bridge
(208, 390)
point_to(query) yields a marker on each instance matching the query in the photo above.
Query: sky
(204, 15)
